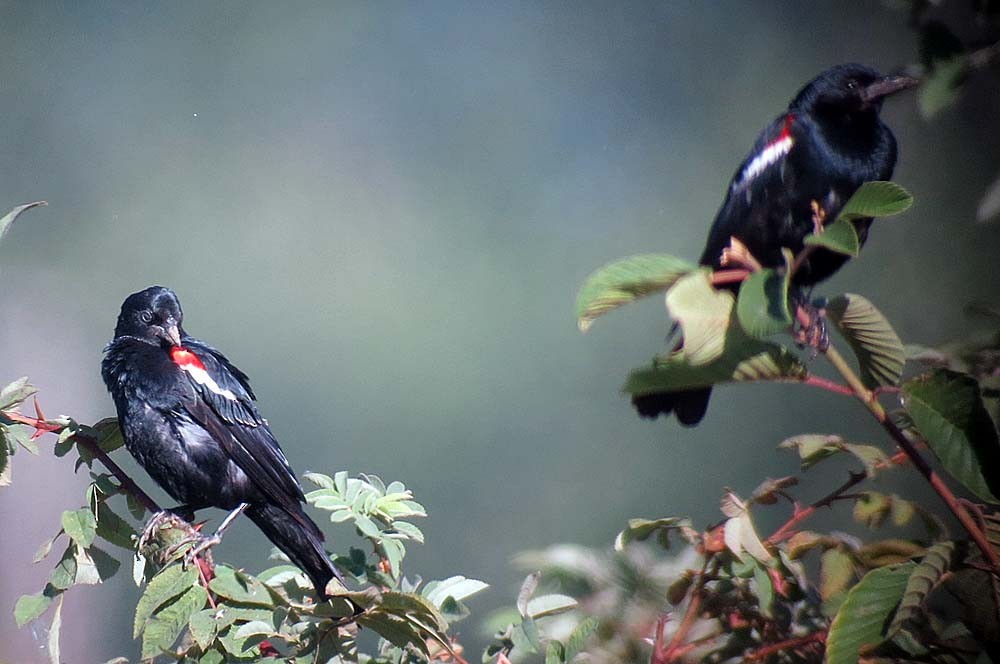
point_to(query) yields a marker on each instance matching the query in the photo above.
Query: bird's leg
(738, 255)
(818, 217)
(216, 537)
(815, 334)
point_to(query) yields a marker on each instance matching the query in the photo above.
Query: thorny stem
(126, 482)
(800, 515)
(788, 644)
(676, 648)
(869, 400)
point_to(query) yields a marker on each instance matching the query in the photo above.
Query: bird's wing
(223, 404)
(759, 178)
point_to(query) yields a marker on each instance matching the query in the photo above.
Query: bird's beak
(172, 332)
(887, 86)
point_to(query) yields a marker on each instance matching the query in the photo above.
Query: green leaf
(947, 408)
(578, 637)
(63, 575)
(15, 393)
(765, 590)
(745, 360)
(109, 434)
(80, 525)
(639, 530)
(840, 237)
(862, 617)
(624, 281)
(813, 448)
(456, 587)
(4, 452)
(113, 528)
(836, 573)
(169, 583)
(397, 631)
(550, 605)
(878, 198)
(29, 607)
(878, 348)
(934, 565)
(11, 216)
(168, 622)
(554, 653)
(238, 587)
(202, 627)
(704, 314)
(940, 88)
(762, 305)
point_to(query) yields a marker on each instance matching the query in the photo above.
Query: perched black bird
(188, 417)
(827, 144)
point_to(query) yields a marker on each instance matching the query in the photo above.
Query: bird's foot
(818, 217)
(201, 549)
(814, 334)
(737, 255)
(158, 520)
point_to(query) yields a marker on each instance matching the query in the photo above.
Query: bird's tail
(300, 539)
(688, 405)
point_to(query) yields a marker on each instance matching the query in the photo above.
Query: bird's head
(152, 315)
(848, 90)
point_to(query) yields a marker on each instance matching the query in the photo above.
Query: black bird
(188, 417)
(827, 144)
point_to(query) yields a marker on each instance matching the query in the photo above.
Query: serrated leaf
(170, 619)
(879, 350)
(624, 281)
(840, 237)
(765, 590)
(947, 408)
(30, 607)
(169, 583)
(554, 652)
(13, 394)
(80, 525)
(202, 627)
(11, 216)
(744, 361)
(108, 434)
(931, 568)
(762, 304)
(320, 480)
(238, 587)
(862, 617)
(578, 638)
(741, 538)
(878, 198)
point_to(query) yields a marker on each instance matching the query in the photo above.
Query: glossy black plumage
(828, 143)
(189, 417)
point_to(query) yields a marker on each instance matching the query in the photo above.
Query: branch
(800, 515)
(788, 644)
(870, 401)
(41, 425)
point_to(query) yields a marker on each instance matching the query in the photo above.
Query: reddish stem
(788, 644)
(829, 385)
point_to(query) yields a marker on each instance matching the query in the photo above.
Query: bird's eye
(146, 316)
(853, 85)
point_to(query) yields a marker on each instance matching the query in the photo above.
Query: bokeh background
(382, 212)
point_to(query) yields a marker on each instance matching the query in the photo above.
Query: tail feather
(688, 405)
(300, 539)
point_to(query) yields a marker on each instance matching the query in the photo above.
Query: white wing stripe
(201, 377)
(769, 155)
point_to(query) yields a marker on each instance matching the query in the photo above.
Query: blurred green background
(382, 213)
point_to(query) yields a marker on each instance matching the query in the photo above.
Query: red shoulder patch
(183, 358)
